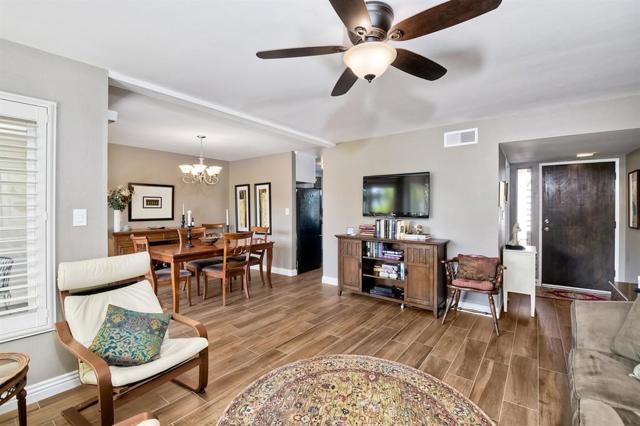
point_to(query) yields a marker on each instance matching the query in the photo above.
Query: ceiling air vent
(460, 138)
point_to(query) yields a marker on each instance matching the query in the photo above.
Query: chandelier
(200, 172)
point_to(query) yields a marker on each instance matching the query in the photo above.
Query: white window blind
(524, 205)
(26, 198)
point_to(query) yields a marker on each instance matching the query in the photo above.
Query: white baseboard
(329, 280)
(45, 389)
(278, 271)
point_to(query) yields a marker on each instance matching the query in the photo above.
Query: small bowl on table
(209, 240)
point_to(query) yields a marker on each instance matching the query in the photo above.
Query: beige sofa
(602, 393)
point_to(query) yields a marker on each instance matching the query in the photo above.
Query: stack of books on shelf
(368, 230)
(395, 292)
(391, 229)
(393, 271)
(392, 254)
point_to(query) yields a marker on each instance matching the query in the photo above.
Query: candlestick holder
(183, 222)
(189, 244)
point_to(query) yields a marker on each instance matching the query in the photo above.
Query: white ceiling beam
(160, 92)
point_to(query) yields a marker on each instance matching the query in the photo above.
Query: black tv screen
(402, 195)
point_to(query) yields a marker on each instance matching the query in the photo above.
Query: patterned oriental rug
(341, 390)
(551, 293)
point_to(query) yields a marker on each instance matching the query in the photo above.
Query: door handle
(545, 229)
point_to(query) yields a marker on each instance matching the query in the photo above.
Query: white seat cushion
(172, 353)
(85, 314)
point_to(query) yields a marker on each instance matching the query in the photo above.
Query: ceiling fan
(369, 24)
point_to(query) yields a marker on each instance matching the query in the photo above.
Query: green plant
(118, 198)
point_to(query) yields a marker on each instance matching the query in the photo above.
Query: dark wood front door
(578, 224)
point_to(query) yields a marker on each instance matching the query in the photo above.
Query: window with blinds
(26, 198)
(524, 205)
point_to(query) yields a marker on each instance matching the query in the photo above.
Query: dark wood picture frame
(258, 209)
(247, 215)
(633, 185)
(132, 218)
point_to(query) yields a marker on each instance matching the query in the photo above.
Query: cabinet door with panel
(419, 286)
(349, 273)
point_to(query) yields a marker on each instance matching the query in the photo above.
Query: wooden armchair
(86, 290)
(488, 282)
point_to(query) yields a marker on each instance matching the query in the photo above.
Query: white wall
(464, 179)
(207, 202)
(80, 92)
(632, 255)
(278, 169)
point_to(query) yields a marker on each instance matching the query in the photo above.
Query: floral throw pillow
(477, 268)
(128, 338)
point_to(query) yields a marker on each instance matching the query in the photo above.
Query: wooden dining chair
(215, 228)
(195, 266)
(163, 275)
(235, 263)
(260, 235)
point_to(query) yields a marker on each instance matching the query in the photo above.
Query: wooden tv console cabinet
(424, 283)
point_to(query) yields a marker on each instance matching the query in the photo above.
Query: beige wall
(279, 170)
(80, 92)
(464, 179)
(207, 202)
(632, 254)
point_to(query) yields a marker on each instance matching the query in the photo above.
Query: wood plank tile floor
(519, 379)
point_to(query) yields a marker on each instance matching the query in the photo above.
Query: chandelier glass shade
(200, 172)
(370, 60)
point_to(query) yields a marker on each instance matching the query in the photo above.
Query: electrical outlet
(79, 217)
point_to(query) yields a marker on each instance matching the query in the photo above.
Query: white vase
(117, 220)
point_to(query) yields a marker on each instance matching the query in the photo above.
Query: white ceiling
(152, 123)
(526, 54)
(567, 147)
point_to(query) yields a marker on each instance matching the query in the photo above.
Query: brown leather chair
(476, 274)
(235, 263)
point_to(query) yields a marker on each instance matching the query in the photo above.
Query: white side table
(520, 275)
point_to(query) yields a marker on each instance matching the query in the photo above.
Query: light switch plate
(79, 217)
(286, 211)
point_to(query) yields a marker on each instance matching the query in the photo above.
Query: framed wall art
(151, 202)
(262, 193)
(634, 194)
(243, 220)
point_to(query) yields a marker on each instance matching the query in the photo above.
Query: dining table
(176, 254)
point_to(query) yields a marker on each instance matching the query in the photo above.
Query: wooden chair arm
(448, 267)
(97, 364)
(200, 329)
(499, 276)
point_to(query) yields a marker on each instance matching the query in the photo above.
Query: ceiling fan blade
(300, 51)
(418, 65)
(353, 13)
(345, 82)
(439, 17)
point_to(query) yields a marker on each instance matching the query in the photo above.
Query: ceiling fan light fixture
(370, 60)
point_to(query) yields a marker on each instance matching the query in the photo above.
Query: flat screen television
(402, 195)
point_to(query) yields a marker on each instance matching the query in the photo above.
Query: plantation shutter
(25, 262)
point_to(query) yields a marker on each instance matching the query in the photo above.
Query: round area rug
(351, 390)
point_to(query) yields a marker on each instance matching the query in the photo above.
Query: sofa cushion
(477, 268)
(594, 324)
(478, 285)
(627, 341)
(597, 413)
(603, 377)
(129, 338)
(173, 352)
(85, 314)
